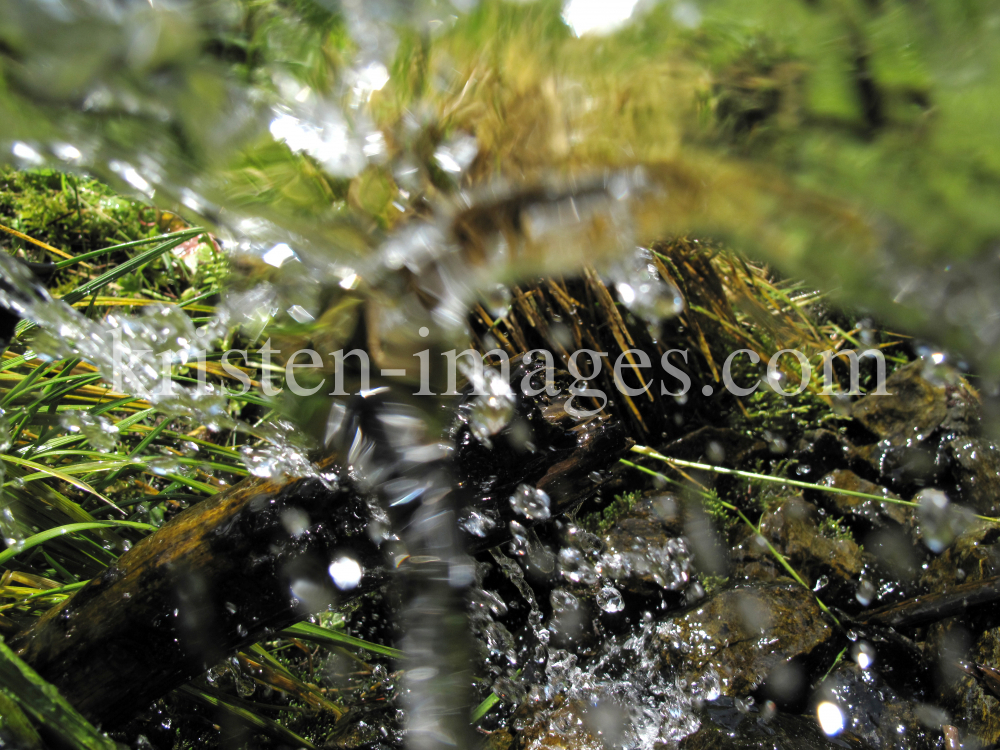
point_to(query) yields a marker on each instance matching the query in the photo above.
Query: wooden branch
(928, 608)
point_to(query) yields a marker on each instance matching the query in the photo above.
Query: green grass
(73, 501)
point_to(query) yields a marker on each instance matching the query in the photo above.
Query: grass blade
(488, 703)
(70, 528)
(13, 720)
(185, 233)
(90, 287)
(78, 483)
(266, 726)
(41, 701)
(309, 632)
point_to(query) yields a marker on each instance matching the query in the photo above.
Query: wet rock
(913, 465)
(974, 700)
(820, 451)
(975, 470)
(875, 713)
(833, 565)
(742, 634)
(974, 555)
(561, 725)
(917, 410)
(872, 513)
(500, 740)
(715, 444)
(724, 727)
(360, 736)
(645, 551)
(913, 409)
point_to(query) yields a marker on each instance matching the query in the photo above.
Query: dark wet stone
(561, 724)
(499, 740)
(975, 701)
(973, 556)
(359, 737)
(820, 451)
(911, 466)
(648, 541)
(742, 634)
(875, 713)
(793, 528)
(725, 728)
(913, 410)
(715, 444)
(905, 422)
(871, 512)
(975, 470)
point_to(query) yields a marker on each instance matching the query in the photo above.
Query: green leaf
(42, 702)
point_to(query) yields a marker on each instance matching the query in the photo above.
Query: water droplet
(164, 465)
(610, 599)
(715, 453)
(9, 528)
(863, 654)
(455, 155)
(493, 409)
(346, 573)
(531, 503)
(245, 686)
(641, 289)
(519, 539)
(497, 298)
(830, 717)
(99, 430)
(575, 567)
(295, 521)
(865, 592)
(478, 524)
(940, 519)
(563, 601)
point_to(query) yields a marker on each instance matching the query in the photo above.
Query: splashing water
(629, 695)
(425, 220)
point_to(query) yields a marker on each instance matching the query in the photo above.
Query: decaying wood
(928, 608)
(227, 572)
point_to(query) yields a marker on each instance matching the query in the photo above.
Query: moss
(601, 522)
(713, 583)
(72, 213)
(722, 516)
(834, 528)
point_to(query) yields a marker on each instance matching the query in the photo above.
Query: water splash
(627, 688)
